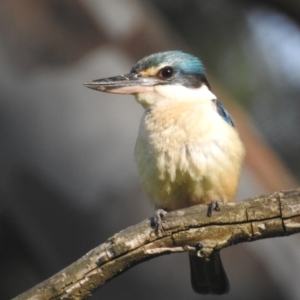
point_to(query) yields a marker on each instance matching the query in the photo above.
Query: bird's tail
(208, 274)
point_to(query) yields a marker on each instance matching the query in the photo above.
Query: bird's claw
(158, 218)
(213, 205)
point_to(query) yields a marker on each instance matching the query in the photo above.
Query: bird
(188, 150)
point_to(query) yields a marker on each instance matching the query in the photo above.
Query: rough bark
(189, 229)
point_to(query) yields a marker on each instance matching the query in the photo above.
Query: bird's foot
(158, 219)
(213, 205)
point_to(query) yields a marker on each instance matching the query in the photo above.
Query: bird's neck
(166, 94)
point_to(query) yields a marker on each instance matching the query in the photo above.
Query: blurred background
(68, 178)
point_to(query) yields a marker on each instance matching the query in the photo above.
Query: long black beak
(123, 84)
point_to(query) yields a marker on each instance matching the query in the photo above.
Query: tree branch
(269, 216)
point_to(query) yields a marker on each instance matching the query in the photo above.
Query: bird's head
(164, 76)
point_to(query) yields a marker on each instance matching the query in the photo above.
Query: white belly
(186, 161)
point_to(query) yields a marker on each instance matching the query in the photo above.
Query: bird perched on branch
(188, 150)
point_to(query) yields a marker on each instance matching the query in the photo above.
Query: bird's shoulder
(223, 112)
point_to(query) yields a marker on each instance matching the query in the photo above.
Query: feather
(223, 112)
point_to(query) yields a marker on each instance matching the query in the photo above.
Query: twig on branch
(269, 216)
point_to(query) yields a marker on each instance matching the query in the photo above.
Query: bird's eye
(166, 72)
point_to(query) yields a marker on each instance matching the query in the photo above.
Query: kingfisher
(188, 150)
